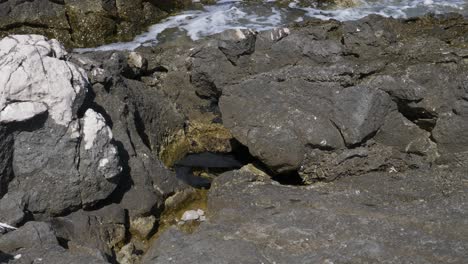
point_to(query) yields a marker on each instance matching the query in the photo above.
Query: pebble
(191, 215)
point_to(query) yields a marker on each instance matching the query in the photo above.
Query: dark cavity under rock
(184, 167)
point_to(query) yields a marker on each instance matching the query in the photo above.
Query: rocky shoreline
(84, 23)
(323, 142)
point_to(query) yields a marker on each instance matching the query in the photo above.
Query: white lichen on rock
(34, 72)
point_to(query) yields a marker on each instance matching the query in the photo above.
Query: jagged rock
(11, 206)
(278, 114)
(140, 118)
(399, 132)
(98, 231)
(359, 113)
(51, 145)
(348, 98)
(379, 99)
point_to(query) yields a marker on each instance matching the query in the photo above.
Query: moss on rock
(197, 137)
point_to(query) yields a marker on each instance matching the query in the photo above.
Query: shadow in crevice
(5, 258)
(289, 178)
(218, 163)
(141, 129)
(214, 163)
(418, 115)
(242, 153)
(6, 159)
(30, 125)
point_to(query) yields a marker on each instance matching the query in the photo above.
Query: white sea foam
(236, 14)
(387, 8)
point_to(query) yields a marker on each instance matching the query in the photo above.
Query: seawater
(263, 16)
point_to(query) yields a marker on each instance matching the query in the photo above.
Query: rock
(21, 55)
(84, 23)
(314, 104)
(323, 165)
(36, 242)
(127, 255)
(137, 62)
(98, 146)
(12, 208)
(31, 235)
(143, 226)
(140, 117)
(403, 134)
(18, 112)
(95, 233)
(192, 215)
(256, 220)
(141, 201)
(6, 158)
(359, 113)
(46, 138)
(451, 136)
(279, 132)
(236, 43)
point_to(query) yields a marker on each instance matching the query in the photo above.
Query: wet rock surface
(356, 132)
(83, 23)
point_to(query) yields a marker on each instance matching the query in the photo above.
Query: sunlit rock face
(47, 145)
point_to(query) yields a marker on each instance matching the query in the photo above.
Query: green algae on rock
(197, 137)
(84, 23)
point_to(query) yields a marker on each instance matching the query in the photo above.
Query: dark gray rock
(451, 136)
(323, 165)
(141, 118)
(12, 207)
(94, 233)
(399, 132)
(357, 219)
(278, 114)
(36, 242)
(142, 201)
(6, 157)
(360, 112)
(60, 162)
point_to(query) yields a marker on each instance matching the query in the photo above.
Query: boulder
(136, 113)
(51, 144)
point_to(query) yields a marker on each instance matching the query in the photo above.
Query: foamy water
(263, 16)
